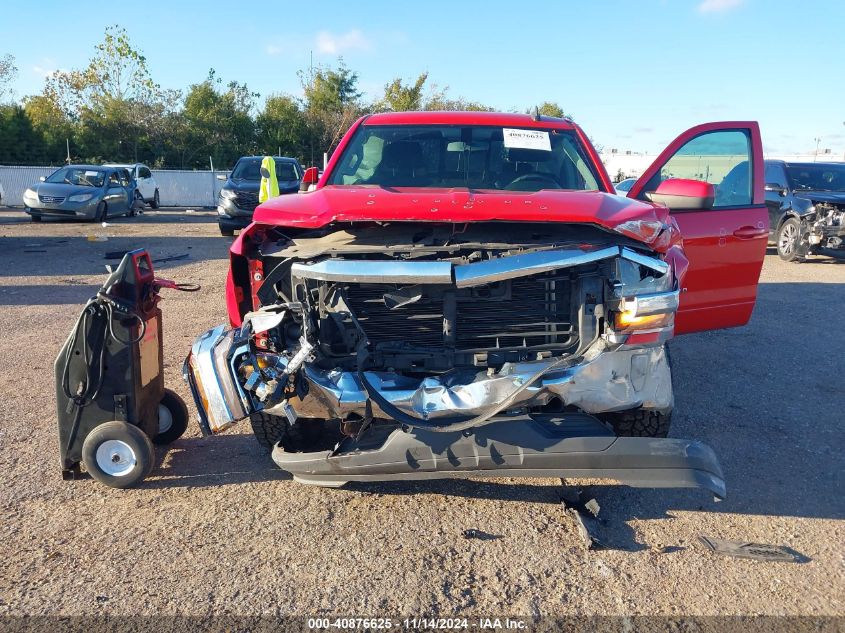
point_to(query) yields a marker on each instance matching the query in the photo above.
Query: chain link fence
(176, 187)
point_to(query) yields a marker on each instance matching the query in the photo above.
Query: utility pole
(818, 140)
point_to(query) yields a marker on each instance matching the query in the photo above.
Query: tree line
(113, 111)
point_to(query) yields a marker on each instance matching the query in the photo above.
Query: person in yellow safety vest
(269, 182)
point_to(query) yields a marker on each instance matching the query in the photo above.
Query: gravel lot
(219, 529)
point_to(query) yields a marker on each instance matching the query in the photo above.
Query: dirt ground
(218, 529)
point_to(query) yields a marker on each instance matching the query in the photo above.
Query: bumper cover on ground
(571, 446)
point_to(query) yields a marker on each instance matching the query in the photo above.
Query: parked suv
(146, 188)
(239, 196)
(806, 203)
(463, 293)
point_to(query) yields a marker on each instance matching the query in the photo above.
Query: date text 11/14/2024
(418, 623)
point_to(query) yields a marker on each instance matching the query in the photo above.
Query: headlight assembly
(81, 197)
(30, 196)
(228, 194)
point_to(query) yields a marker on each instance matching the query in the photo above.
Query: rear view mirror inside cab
(684, 194)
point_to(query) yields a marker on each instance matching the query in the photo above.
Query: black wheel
(137, 202)
(269, 430)
(172, 418)
(35, 218)
(155, 203)
(789, 240)
(118, 454)
(227, 232)
(643, 422)
(102, 212)
(639, 423)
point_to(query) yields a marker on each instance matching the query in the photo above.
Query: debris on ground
(756, 551)
(105, 225)
(97, 238)
(584, 512)
(480, 535)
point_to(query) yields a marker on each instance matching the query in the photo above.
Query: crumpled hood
(833, 197)
(377, 204)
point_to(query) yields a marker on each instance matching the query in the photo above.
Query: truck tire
(639, 423)
(268, 429)
(118, 454)
(227, 232)
(642, 422)
(156, 203)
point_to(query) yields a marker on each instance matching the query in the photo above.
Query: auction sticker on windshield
(527, 139)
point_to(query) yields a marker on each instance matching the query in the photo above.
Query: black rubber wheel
(226, 232)
(137, 201)
(172, 418)
(102, 213)
(639, 423)
(155, 203)
(789, 240)
(643, 422)
(268, 429)
(118, 454)
(35, 218)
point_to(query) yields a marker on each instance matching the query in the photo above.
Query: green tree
(117, 72)
(52, 125)
(281, 126)
(20, 143)
(399, 97)
(217, 121)
(549, 108)
(332, 103)
(8, 73)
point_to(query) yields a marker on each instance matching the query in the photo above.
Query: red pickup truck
(462, 293)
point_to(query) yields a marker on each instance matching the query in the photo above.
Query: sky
(634, 74)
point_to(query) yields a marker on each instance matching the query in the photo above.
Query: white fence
(176, 187)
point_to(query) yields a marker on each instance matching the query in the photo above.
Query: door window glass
(144, 172)
(775, 175)
(722, 158)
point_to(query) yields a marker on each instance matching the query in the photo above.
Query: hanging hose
(100, 309)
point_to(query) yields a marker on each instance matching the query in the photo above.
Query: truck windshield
(475, 157)
(817, 177)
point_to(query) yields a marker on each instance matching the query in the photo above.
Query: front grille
(524, 313)
(52, 199)
(246, 200)
(419, 324)
(534, 313)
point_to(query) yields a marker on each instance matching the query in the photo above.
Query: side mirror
(776, 188)
(682, 194)
(42, 178)
(222, 177)
(309, 179)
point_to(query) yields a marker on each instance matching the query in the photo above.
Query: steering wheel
(535, 177)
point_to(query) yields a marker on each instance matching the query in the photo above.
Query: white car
(146, 188)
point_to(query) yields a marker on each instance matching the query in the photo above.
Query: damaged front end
(422, 351)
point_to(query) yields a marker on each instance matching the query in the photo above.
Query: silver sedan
(81, 191)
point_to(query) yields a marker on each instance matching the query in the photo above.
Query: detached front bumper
(571, 446)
